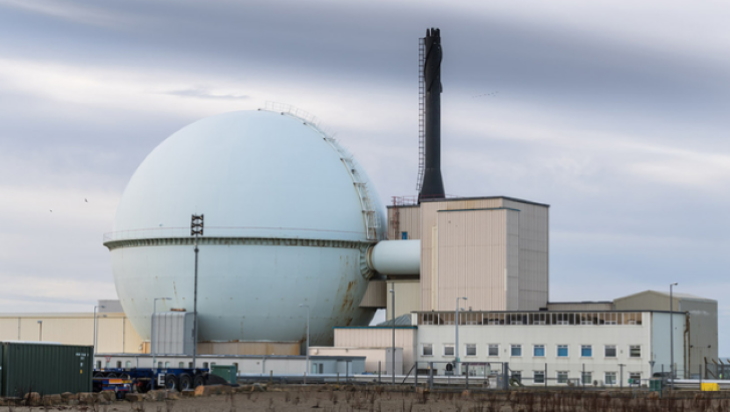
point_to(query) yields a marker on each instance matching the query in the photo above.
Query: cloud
(206, 94)
(615, 113)
(67, 10)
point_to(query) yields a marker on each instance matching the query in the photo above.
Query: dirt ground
(383, 401)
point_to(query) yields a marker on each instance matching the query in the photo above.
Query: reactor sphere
(289, 217)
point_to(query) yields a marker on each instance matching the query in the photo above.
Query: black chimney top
(432, 186)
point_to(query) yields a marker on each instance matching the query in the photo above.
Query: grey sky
(614, 113)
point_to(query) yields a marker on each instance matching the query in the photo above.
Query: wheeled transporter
(145, 379)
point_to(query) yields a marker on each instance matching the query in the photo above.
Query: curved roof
(252, 174)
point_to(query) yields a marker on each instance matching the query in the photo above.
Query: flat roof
(148, 355)
(582, 302)
(379, 327)
(529, 312)
(675, 295)
(454, 199)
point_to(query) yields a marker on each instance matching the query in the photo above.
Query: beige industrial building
(490, 257)
(108, 326)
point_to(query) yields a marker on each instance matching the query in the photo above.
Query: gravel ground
(309, 399)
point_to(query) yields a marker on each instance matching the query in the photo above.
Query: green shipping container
(44, 368)
(227, 372)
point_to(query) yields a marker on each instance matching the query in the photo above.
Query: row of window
(531, 318)
(538, 351)
(586, 378)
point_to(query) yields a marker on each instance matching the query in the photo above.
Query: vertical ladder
(421, 113)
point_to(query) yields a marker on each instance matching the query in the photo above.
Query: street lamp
(671, 333)
(40, 331)
(95, 324)
(197, 223)
(306, 370)
(154, 331)
(456, 339)
(392, 319)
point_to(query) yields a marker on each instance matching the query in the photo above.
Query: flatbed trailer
(145, 379)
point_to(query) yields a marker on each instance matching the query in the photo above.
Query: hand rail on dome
(211, 231)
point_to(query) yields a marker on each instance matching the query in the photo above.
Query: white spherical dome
(288, 218)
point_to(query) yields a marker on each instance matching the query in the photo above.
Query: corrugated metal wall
(533, 254)
(115, 332)
(490, 244)
(46, 369)
(472, 253)
(404, 219)
(379, 338)
(375, 295)
(249, 348)
(702, 325)
(407, 298)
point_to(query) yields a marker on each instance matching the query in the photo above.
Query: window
(610, 378)
(159, 365)
(610, 351)
(427, 349)
(190, 365)
(634, 378)
(517, 376)
(635, 351)
(562, 351)
(128, 364)
(538, 377)
(167, 365)
(471, 349)
(516, 350)
(236, 365)
(181, 365)
(562, 376)
(119, 364)
(586, 351)
(205, 364)
(585, 378)
(98, 364)
(538, 350)
(493, 350)
(448, 350)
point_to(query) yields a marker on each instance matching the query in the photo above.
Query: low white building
(601, 348)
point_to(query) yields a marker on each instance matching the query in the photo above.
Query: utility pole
(456, 337)
(671, 334)
(306, 370)
(95, 324)
(196, 229)
(392, 319)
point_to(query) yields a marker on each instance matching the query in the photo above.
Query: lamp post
(196, 229)
(456, 338)
(392, 319)
(95, 324)
(671, 333)
(40, 331)
(154, 331)
(306, 368)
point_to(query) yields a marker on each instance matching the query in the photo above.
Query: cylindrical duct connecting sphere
(396, 257)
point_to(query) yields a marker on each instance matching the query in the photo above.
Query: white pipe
(396, 257)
